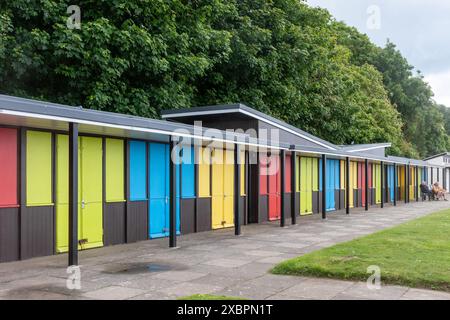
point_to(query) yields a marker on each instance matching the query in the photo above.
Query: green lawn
(209, 297)
(415, 254)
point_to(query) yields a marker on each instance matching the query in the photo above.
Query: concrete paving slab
(113, 293)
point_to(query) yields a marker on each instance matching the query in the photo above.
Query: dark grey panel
(253, 193)
(342, 199)
(137, 221)
(203, 214)
(114, 223)
(243, 209)
(263, 215)
(355, 198)
(287, 205)
(297, 203)
(9, 234)
(360, 204)
(319, 202)
(38, 232)
(374, 197)
(315, 201)
(187, 216)
(287, 137)
(337, 202)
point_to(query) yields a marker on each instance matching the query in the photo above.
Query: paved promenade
(216, 262)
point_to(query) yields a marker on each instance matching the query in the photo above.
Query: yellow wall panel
(315, 173)
(242, 173)
(115, 166)
(39, 168)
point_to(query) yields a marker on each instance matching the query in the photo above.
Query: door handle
(83, 204)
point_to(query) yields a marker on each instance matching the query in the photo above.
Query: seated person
(438, 191)
(425, 190)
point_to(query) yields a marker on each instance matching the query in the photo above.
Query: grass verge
(414, 254)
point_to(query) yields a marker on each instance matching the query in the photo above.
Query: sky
(419, 28)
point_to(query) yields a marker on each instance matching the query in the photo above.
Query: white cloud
(440, 82)
(419, 28)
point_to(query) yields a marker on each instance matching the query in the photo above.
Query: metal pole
(366, 183)
(283, 187)
(382, 183)
(237, 189)
(395, 184)
(324, 186)
(347, 185)
(73, 194)
(406, 183)
(293, 186)
(173, 194)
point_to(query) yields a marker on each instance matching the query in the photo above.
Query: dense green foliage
(279, 56)
(414, 254)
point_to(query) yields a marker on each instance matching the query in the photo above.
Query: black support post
(173, 195)
(347, 185)
(237, 189)
(366, 183)
(382, 183)
(395, 184)
(293, 187)
(73, 194)
(406, 183)
(324, 186)
(283, 187)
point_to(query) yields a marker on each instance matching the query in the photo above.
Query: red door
(8, 168)
(274, 188)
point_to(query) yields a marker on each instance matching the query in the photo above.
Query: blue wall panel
(138, 170)
(188, 173)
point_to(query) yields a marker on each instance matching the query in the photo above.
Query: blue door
(138, 171)
(391, 182)
(159, 187)
(331, 184)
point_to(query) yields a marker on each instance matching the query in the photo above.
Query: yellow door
(222, 188)
(217, 188)
(228, 208)
(412, 180)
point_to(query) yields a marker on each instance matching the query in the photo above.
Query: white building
(441, 172)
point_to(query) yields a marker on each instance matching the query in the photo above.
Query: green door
(306, 185)
(62, 193)
(90, 195)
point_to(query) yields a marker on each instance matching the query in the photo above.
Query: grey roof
(364, 147)
(242, 108)
(20, 107)
(409, 161)
(79, 113)
(437, 155)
